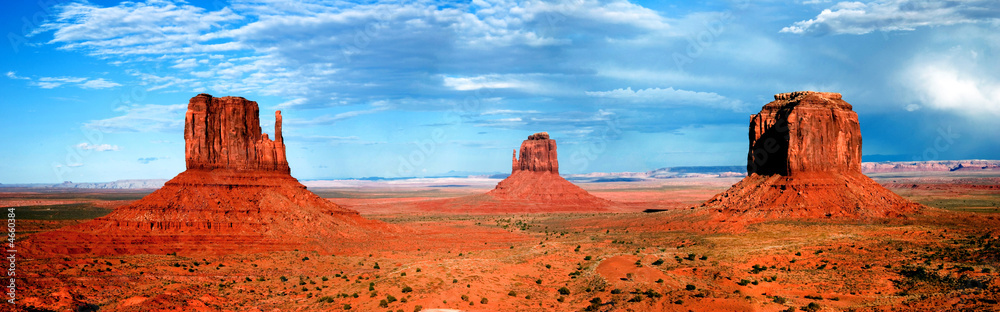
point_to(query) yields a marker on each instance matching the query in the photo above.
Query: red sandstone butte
(224, 133)
(535, 181)
(805, 162)
(538, 153)
(237, 195)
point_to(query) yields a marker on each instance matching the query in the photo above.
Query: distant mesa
(931, 165)
(237, 195)
(804, 161)
(534, 185)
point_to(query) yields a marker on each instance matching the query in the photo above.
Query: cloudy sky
(96, 91)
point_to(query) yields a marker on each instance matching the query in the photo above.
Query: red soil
(809, 195)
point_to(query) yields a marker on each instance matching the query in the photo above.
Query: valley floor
(945, 258)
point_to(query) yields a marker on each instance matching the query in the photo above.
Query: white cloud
(161, 82)
(942, 86)
(331, 139)
(55, 82)
(670, 97)
(143, 118)
(309, 52)
(564, 122)
(952, 81)
(292, 103)
(376, 107)
(147, 160)
(153, 27)
(99, 83)
(13, 75)
(98, 148)
(185, 63)
(858, 18)
(508, 112)
(481, 82)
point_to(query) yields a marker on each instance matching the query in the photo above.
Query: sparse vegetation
(811, 307)
(927, 267)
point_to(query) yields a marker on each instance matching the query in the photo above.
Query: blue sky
(96, 91)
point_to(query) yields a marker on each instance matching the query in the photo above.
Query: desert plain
(945, 257)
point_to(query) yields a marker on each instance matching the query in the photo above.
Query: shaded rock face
(805, 162)
(804, 131)
(538, 154)
(236, 196)
(225, 133)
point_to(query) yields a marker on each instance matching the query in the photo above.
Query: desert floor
(945, 258)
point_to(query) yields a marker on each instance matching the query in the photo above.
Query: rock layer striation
(805, 162)
(225, 133)
(538, 154)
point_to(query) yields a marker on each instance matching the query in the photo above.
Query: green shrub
(812, 307)
(327, 299)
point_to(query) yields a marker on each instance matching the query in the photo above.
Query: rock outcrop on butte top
(534, 184)
(224, 133)
(237, 195)
(805, 162)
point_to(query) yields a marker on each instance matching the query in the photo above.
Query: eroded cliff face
(805, 162)
(225, 133)
(805, 131)
(538, 154)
